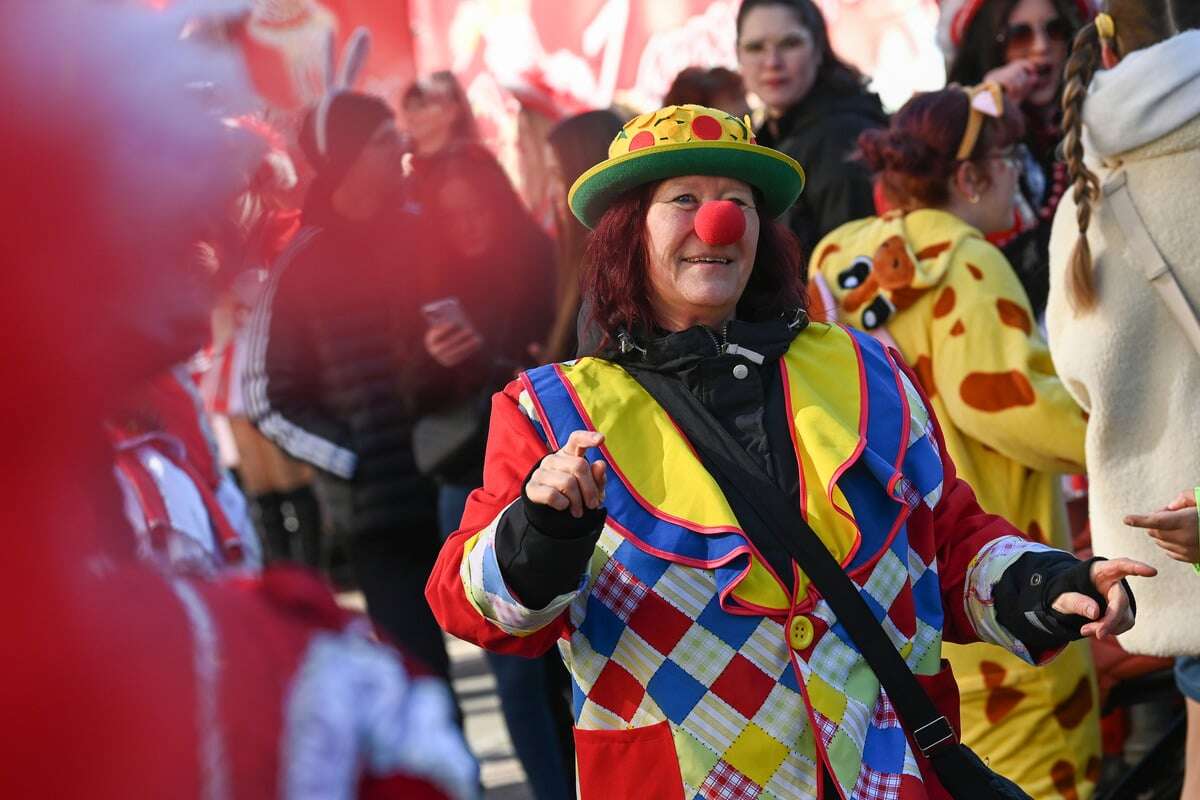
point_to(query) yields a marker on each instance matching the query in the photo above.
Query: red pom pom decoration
(720, 222)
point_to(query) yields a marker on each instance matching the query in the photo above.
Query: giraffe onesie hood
(932, 286)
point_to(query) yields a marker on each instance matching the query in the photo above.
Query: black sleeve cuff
(542, 551)
(1026, 591)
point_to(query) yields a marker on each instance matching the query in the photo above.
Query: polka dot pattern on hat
(679, 124)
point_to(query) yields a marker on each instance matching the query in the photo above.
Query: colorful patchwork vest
(686, 648)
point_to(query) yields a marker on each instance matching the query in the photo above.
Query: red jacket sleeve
(513, 448)
(960, 529)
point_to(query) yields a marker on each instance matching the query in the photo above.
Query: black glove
(1027, 590)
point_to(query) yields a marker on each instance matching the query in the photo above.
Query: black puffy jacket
(821, 132)
(336, 372)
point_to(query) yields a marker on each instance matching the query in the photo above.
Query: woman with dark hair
(816, 106)
(572, 147)
(1133, 96)
(923, 278)
(623, 514)
(1023, 46)
(494, 267)
(437, 115)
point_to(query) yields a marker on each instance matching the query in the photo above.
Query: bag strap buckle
(931, 736)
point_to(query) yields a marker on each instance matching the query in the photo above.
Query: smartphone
(446, 311)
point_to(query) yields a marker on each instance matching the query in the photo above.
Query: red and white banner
(588, 53)
(599, 51)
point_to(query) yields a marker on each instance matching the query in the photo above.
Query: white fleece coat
(1127, 362)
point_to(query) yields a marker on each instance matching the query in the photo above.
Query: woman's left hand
(1106, 577)
(1175, 529)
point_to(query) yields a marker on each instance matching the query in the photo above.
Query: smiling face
(778, 57)
(1037, 32)
(692, 282)
(430, 120)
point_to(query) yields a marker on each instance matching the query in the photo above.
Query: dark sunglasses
(1022, 35)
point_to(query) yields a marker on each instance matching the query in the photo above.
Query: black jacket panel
(821, 133)
(337, 372)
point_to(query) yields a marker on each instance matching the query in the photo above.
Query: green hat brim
(775, 174)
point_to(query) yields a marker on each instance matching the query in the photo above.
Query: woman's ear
(1108, 56)
(968, 181)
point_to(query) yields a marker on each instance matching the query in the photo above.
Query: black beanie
(350, 119)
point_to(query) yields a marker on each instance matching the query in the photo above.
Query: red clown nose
(720, 222)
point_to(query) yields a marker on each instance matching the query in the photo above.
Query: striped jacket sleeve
(280, 380)
(975, 549)
(467, 590)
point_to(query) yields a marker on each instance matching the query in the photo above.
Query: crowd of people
(770, 444)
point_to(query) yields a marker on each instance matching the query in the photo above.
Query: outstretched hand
(1106, 576)
(1175, 529)
(565, 480)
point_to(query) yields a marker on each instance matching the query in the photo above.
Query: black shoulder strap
(765, 511)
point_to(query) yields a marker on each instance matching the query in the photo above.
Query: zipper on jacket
(723, 344)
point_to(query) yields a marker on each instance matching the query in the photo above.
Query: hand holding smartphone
(451, 338)
(446, 311)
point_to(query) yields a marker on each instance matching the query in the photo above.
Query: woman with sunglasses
(923, 278)
(1023, 46)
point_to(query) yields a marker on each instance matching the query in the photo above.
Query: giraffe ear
(987, 103)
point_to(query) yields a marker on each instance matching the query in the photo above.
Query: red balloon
(720, 222)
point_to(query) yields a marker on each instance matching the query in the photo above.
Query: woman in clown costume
(923, 278)
(704, 662)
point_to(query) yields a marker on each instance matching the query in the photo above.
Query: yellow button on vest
(800, 634)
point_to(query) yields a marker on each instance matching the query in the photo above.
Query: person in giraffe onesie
(923, 278)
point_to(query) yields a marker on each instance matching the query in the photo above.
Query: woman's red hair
(914, 156)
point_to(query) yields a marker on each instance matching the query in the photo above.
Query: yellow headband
(986, 99)
(1106, 27)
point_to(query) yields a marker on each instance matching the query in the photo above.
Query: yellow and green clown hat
(686, 140)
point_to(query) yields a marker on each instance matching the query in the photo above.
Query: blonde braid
(1085, 55)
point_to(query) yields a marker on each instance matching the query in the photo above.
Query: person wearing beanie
(351, 140)
(335, 372)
